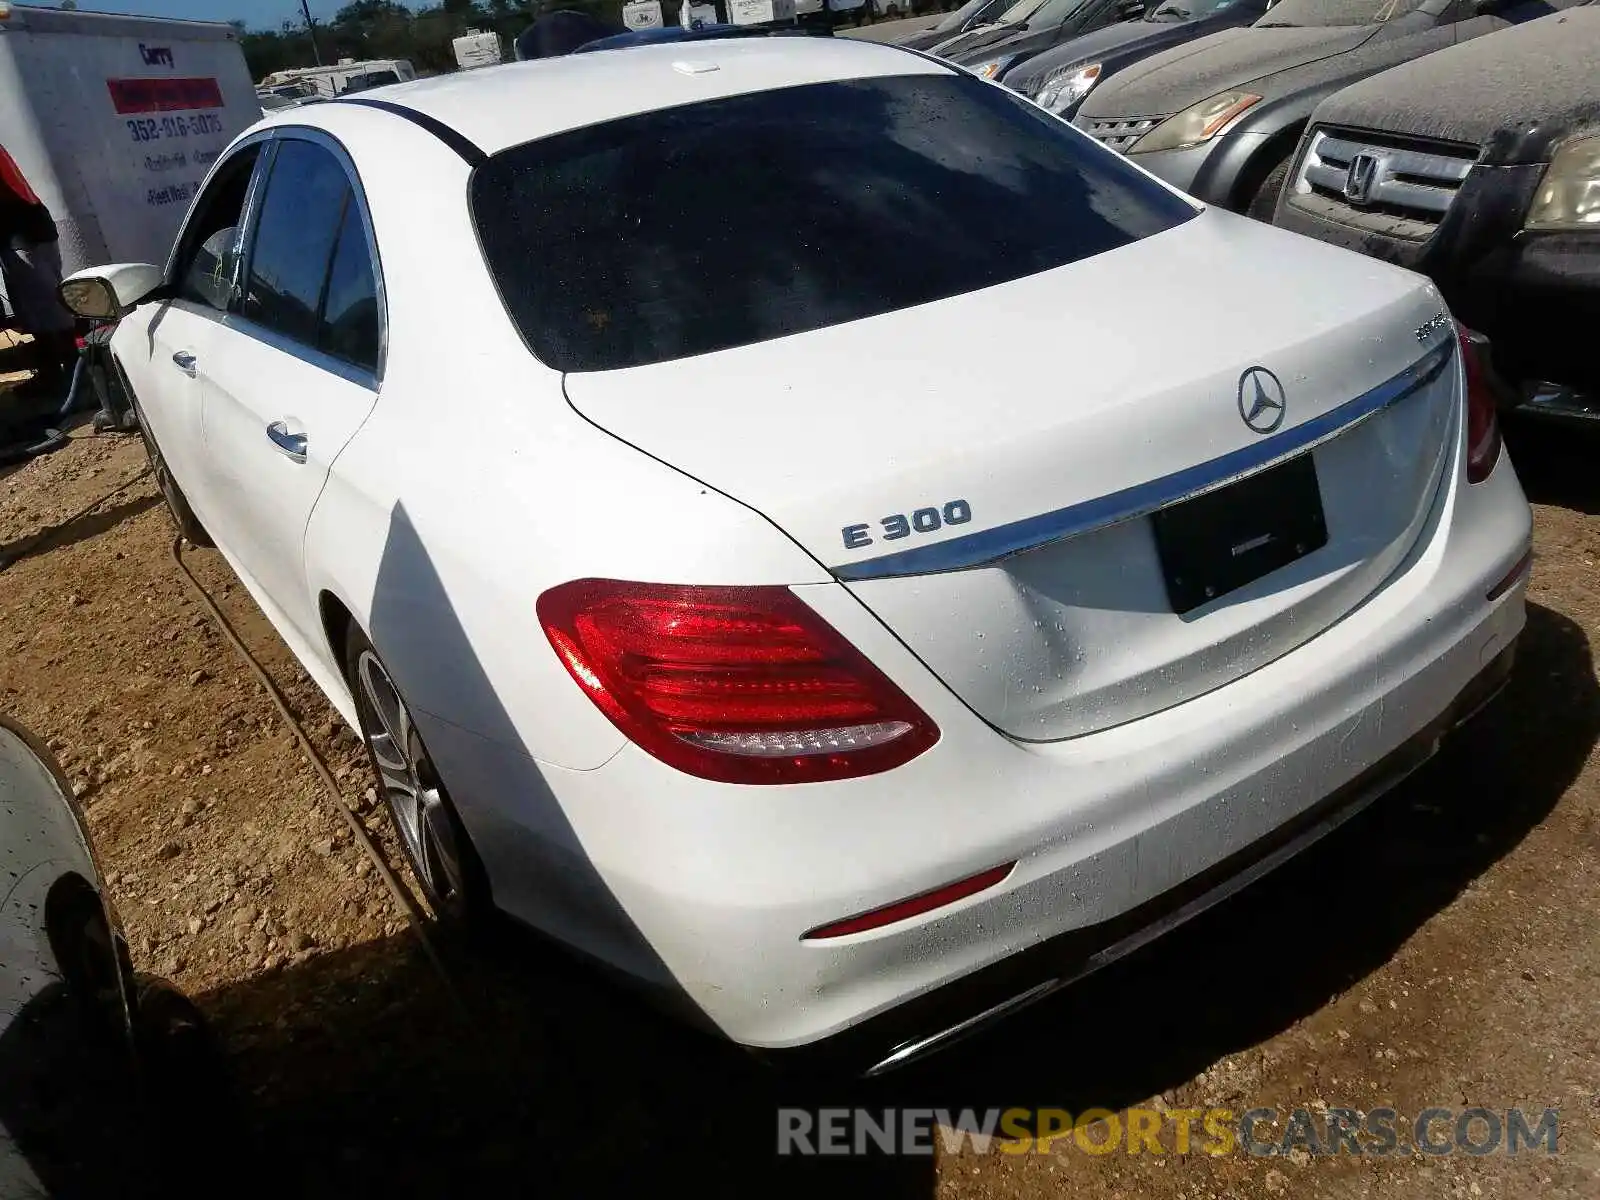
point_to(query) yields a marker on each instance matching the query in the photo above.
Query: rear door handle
(290, 445)
(186, 361)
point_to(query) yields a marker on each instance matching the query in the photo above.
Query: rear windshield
(733, 221)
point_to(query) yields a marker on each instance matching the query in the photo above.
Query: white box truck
(116, 120)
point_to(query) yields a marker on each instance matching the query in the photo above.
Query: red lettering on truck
(163, 95)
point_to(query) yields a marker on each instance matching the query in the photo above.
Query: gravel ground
(1442, 949)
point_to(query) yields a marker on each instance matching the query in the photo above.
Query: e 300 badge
(924, 520)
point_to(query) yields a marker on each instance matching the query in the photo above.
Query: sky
(256, 14)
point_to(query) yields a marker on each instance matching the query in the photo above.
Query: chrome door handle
(290, 445)
(186, 361)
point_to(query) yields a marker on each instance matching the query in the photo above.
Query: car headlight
(1195, 124)
(991, 68)
(1569, 194)
(1064, 88)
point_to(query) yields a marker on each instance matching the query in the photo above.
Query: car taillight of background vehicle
(734, 684)
(1483, 426)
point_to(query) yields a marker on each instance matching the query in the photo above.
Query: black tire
(441, 855)
(1264, 200)
(183, 517)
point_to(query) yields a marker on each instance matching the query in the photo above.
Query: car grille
(1400, 188)
(1118, 132)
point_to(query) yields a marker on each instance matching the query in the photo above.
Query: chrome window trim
(992, 545)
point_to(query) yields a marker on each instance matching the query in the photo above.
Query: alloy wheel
(411, 789)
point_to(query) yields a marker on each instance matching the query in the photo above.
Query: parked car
(1220, 117)
(1479, 166)
(846, 690)
(92, 1056)
(969, 16)
(1026, 30)
(1060, 78)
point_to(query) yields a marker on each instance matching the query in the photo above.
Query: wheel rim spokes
(414, 799)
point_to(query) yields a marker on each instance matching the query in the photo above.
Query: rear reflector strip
(915, 906)
(1511, 576)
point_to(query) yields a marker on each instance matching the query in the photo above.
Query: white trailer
(477, 49)
(332, 81)
(116, 120)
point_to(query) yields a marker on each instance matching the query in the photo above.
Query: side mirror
(108, 293)
(1132, 10)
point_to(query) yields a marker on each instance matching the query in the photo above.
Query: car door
(295, 368)
(161, 346)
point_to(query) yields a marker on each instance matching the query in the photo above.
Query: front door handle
(290, 445)
(186, 361)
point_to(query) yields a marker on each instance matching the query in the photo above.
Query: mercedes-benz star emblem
(1260, 400)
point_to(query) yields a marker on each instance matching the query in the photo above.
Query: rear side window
(301, 215)
(733, 221)
(350, 315)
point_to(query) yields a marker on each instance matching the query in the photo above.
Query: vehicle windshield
(1312, 14)
(707, 226)
(1187, 10)
(1020, 11)
(1053, 12)
(961, 16)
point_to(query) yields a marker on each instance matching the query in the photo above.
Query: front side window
(301, 214)
(208, 253)
(720, 224)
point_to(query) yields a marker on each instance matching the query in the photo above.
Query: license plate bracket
(1218, 542)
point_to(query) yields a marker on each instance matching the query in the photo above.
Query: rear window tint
(733, 221)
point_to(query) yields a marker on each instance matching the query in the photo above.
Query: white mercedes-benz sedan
(813, 531)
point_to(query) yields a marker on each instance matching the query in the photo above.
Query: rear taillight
(1483, 427)
(736, 684)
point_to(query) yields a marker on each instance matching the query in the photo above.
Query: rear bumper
(1536, 296)
(939, 1019)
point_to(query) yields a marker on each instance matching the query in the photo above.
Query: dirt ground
(1442, 949)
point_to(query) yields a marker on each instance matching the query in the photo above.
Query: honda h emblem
(1362, 175)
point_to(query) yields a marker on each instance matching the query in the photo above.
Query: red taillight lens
(736, 684)
(1483, 427)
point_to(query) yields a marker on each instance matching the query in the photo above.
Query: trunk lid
(1059, 403)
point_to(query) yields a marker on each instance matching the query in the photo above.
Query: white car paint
(1112, 750)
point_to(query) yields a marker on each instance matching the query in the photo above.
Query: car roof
(502, 106)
